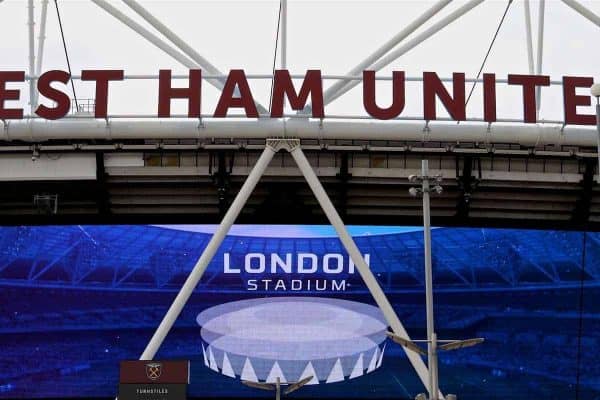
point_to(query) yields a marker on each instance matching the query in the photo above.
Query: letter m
(312, 85)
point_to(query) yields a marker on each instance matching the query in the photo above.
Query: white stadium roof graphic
(292, 338)
(295, 231)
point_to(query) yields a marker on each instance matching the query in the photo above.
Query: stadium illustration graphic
(75, 300)
(293, 338)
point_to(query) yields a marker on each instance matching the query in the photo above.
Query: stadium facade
(85, 280)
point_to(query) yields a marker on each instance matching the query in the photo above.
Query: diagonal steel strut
(208, 254)
(385, 48)
(293, 147)
(585, 12)
(409, 45)
(360, 263)
(219, 83)
(145, 33)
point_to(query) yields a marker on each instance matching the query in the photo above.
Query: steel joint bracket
(277, 144)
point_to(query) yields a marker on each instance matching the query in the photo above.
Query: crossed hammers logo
(153, 371)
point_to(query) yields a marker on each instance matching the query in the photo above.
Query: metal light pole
(428, 184)
(596, 93)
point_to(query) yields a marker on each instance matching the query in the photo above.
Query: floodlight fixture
(447, 346)
(295, 386)
(595, 90)
(414, 192)
(260, 385)
(276, 387)
(460, 344)
(406, 343)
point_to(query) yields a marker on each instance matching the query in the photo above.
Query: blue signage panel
(286, 304)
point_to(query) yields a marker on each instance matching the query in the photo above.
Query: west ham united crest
(153, 370)
(154, 380)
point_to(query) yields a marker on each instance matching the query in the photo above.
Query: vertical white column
(41, 39)
(540, 53)
(30, 25)
(528, 36)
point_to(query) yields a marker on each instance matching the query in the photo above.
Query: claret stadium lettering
(236, 94)
(292, 271)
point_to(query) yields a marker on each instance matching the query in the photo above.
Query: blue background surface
(74, 300)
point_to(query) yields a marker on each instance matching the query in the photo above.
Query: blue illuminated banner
(286, 301)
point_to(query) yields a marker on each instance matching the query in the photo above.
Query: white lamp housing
(595, 90)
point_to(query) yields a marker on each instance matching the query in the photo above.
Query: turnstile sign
(153, 380)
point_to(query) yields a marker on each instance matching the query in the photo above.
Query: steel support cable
(275, 56)
(62, 34)
(489, 50)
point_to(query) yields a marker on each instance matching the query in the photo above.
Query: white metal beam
(30, 25)
(585, 12)
(207, 255)
(361, 265)
(146, 34)
(41, 39)
(177, 41)
(528, 37)
(331, 92)
(438, 26)
(524, 134)
(199, 61)
(540, 53)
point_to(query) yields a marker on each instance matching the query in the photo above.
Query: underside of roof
(186, 182)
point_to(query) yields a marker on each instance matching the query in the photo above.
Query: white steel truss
(293, 147)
